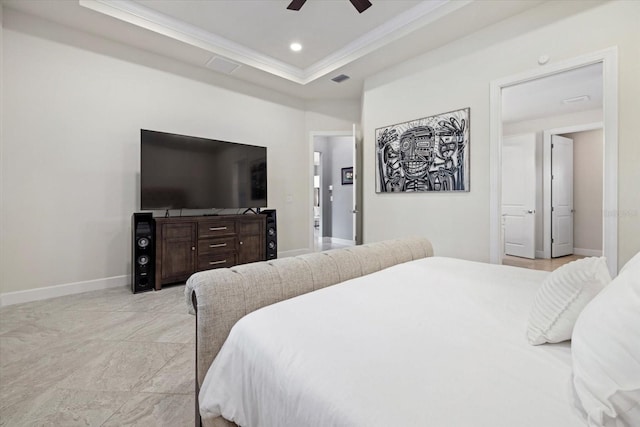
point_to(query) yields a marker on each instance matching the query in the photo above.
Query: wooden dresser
(185, 245)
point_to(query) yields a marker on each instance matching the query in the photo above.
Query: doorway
(334, 190)
(571, 209)
(586, 210)
(317, 196)
(607, 62)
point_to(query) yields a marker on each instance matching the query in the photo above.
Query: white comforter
(434, 342)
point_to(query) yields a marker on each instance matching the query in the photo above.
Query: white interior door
(561, 196)
(519, 195)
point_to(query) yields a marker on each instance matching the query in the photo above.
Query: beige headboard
(221, 297)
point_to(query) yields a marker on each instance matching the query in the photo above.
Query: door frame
(609, 59)
(320, 194)
(546, 178)
(312, 135)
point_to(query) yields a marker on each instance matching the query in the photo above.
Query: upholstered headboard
(221, 297)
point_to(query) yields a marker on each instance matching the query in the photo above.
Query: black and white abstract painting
(424, 155)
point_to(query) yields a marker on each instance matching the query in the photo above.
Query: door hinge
(552, 176)
(552, 240)
(552, 145)
(552, 209)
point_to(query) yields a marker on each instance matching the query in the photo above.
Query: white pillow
(633, 263)
(605, 349)
(561, 298)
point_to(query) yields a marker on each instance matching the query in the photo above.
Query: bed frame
(221, 297)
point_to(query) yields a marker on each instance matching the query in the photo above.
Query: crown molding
(397, 27)
(401, 25)
(149, 19)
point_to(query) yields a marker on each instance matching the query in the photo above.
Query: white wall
(331, 115)
(553, 122)
(587, 191)
(70, 170)
(457, 76)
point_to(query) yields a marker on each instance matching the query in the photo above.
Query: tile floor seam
(134, 389)
(113, 413)
(80, 345)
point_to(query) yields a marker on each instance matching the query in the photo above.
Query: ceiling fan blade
(296, 4)
(361, 5)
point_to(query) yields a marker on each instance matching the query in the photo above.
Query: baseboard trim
(342, 241)
(294, 252)
(587, 252)
(37, 294)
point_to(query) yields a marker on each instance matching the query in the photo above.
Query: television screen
(185, 172)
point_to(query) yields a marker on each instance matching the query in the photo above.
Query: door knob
(531, 211)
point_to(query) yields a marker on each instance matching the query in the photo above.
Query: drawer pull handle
(217, 228)
(224, 261)
(218, 245)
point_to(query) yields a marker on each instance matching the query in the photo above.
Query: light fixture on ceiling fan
(360, 5)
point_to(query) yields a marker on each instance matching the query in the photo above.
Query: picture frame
(347, 176)
(426, 155)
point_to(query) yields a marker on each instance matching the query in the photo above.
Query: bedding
(606, 352)
(562, 296)
(431, 342)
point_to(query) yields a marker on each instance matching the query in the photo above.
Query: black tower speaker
(272, 234)
(143, 263)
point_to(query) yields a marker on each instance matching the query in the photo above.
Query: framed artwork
(424, 155)
(347, 176)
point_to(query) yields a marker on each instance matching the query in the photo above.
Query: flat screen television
(186, 172)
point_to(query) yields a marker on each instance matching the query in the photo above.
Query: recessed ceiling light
(296, 47)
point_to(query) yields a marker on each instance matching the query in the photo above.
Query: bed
(376, 335)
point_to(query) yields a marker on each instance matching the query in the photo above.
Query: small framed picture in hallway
(347, 176)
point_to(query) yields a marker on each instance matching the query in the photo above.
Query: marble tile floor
(324, 243)
(103, 358)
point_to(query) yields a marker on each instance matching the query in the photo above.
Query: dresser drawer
(216, 228)
(208, 262)
(178, 231)
(217, 245)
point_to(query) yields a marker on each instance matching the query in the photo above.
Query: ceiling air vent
(575, 100)
(222, 65)
(340, 78)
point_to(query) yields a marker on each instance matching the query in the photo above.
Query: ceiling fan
(360, 5)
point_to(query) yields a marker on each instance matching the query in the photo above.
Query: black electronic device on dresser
(187, 172)
(143, 252)
(272, 234)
